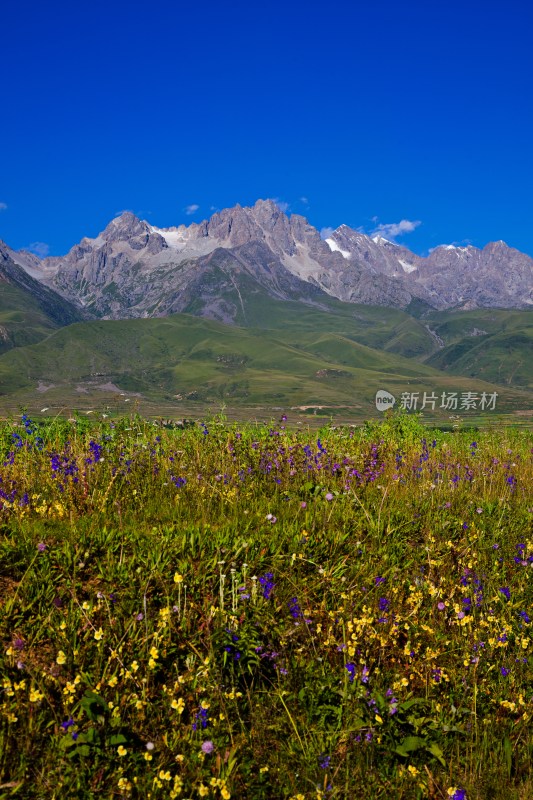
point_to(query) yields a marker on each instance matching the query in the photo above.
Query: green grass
(22, 322)
(264, 611)
(191, 357)
(374, 326)
(503, 358)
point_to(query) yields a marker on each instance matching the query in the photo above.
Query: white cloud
(391, 230)
(40, 249)
(326, 232)
(3, 206)
(304, 200)
(282, 205)
(191, 209)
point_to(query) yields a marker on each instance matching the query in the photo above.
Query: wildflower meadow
(265, 611)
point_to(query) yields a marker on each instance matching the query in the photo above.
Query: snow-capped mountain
(134, 269)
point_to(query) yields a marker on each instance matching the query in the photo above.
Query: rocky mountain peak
(125, 226)
(499, 247)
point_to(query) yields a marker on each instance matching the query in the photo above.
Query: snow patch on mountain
(406, 266)
(335, 247)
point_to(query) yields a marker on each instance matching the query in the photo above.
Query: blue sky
(359, 113)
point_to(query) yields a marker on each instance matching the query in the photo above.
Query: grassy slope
(22, 322)
(502, 354)
(382, 328)
(182, 354)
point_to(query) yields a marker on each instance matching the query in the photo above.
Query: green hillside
(29, 311)
(495, 345)
(186, 358)
(22, 322)
(502, 358)
(453, 325)
(375, 326)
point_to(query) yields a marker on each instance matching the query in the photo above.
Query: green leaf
(65, 742)
(435, 750)
(452, 729)
(409, 745)
(92, 703)
(81, 750)
(410, 703)
(508, 754)
(357, 724)
(116, 739)
(91, 736)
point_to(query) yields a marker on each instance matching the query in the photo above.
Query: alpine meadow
(266, 401)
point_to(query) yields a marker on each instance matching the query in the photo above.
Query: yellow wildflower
(178, 705)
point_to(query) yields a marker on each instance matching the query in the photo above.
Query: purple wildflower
(384, 604)
(459, 794)
(294, 608)
(351, 671)
(267, 582)
(324, 761)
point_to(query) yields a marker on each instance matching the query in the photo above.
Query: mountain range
(134, 269)
(280, 316)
